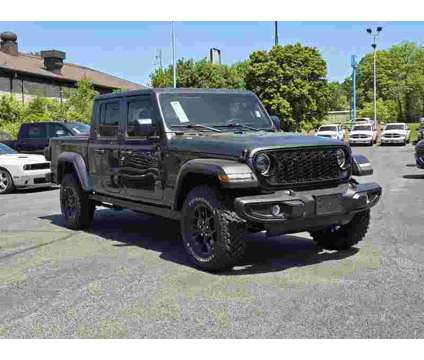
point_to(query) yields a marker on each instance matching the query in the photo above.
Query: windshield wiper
(194, 126)
(243, 126)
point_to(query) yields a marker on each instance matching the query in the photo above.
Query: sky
(129, 49)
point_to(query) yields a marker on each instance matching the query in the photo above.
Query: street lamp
(374, 34)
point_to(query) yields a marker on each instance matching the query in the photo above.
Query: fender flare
(80, 168)
(214, 168)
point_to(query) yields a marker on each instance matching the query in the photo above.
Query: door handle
(99, 151)
(127, 152)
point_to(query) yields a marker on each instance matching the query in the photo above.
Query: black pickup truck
(33, 138)
(216, 161)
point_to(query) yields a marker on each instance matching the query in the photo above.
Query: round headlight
(341, 159)
(263, 164)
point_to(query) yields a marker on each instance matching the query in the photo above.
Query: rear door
(33, 138)
(141, 156)
(104, 147)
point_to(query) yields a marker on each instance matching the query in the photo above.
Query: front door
(140, 157)
(104, 147)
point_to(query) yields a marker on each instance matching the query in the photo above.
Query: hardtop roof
(171, 91)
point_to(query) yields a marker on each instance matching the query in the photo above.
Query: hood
(367, 132)
(232, 144)
(22, 159)
(394, 132)
(329, 133)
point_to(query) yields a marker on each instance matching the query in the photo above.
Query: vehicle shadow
(263, 254)
(36, 190)
(414, 176)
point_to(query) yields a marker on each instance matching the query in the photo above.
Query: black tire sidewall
(84, 206)
(10, 185)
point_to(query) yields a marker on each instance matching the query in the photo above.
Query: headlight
(341, 159)
(262, 164)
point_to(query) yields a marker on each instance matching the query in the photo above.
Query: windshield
(4, 149)
(80, 128)
(361, 127)
(395, 127)
(212, 109)
(328, 128)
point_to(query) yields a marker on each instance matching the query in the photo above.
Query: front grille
(300, 168)
(40, 181)
(391, 136)
(39, 166)
(359, 136)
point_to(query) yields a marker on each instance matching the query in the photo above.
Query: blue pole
(353, 87)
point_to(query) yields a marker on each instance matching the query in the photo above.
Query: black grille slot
(40, 181)
(298, 168)
(39, 166)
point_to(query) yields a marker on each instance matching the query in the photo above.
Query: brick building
(46, 74)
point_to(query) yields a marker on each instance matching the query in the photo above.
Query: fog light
(275, 210)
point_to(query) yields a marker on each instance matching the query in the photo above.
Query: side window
(109, 119)
(140, 109)
(57, 130)
(34, 131)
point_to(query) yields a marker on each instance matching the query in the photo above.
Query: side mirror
(60, 133)
(276, 121)
(144, 127)
(361, 166)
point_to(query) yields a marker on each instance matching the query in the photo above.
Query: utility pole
(276, 32)
(158, 58)
(374, 46)
(354, 67)
(174, 65)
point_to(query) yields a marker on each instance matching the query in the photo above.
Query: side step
(137, 206)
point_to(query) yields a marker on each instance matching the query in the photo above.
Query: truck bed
(75, 144)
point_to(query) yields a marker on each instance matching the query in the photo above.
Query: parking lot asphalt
(128, 275)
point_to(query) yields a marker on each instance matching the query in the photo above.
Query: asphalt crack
(67, 237)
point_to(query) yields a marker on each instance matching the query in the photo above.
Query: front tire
(345, 236)
(77, 208)
(212, 234)
(6, 182)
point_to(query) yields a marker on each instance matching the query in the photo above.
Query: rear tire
(345, 236)
(6, 182)
(212, 234)
(77, 208)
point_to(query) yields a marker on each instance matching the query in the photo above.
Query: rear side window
(140, 109)
(34, 131)
(110, 114)
(57, 130)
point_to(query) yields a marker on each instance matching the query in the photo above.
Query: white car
(363, 134)
(22, 170)
(334, 131)
(395, 133)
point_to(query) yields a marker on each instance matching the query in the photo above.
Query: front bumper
(360, 140)
(33, 178)
(392, 140)
(308, 210)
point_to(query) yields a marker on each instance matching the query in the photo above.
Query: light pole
(374, 34)
(276, 32)
(174, 65)
(354, 66)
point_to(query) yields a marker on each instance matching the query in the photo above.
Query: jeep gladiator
(216, 161)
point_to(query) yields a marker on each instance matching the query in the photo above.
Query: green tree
(386, 110)
(199, 74)
(339, 98)
(78, 105)
(400, 78)
(10, 108)
(290, 80)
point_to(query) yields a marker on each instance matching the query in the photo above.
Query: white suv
(334, 131)
(363, 134)
(395, 133)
